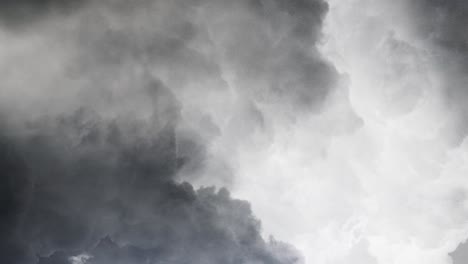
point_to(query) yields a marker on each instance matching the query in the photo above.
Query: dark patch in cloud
(107, 251)
(460, 255)
(443, 25)
(18, 14)
(69, 184)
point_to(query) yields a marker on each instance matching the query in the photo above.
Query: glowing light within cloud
(79, 259)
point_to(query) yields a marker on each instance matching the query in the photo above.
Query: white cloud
(80, 259)
(389, 191)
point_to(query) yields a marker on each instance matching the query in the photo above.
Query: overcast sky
(220, 131)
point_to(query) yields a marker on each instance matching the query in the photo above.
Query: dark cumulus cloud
(443, 25)
(79, 185)
(105, 102)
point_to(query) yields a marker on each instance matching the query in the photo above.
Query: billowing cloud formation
(390, 190)
(107, 104)
(66, 183)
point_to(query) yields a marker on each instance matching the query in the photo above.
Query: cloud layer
(108, 107)
(342, 123)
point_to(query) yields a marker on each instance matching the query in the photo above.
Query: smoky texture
(106, 103)
(442, 24)
(236, 67)
(70, 182)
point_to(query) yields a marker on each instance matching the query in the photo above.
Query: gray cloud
(104, 103)
(21, 14)
(460, 255)
(70, 182)
(442, 24)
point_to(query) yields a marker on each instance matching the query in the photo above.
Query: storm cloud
(69, 185)
(157, 131)
(109, 107)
